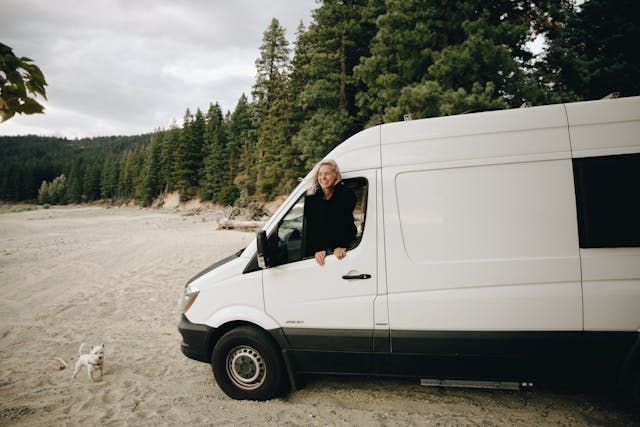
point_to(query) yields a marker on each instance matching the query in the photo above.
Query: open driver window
(287, 242)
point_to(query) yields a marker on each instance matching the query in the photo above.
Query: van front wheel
(247, 365)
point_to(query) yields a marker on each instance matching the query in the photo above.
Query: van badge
(294, 322)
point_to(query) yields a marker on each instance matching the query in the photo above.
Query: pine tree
(109, 178)
(188, 160)
(91, 181)
(15, 186)
(239, 130)
(300, 71)
(74, 187)
(4, 184)
(170, 141)
(139, 156)
(274, 144)
(124, 177)
(248, 171)
(130, 172)
(271, 106)
(150, 177)
(29, 181)
(273, 62)
(215, 164)
(197, 130)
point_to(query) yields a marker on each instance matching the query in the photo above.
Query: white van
(494, 248)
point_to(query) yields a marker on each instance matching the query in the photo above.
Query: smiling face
(327, 176)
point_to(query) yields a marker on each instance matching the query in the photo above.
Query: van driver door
(330, 307)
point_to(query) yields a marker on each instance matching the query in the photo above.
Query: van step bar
(502, 385)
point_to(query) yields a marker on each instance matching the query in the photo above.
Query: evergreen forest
(358, 63)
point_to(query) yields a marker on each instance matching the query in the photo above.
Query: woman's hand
(340, 252)
(320, 256)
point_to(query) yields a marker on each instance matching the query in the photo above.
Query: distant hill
(26, 161)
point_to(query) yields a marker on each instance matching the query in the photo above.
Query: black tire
(247, 365)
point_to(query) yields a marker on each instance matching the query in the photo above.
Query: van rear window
(608, 200)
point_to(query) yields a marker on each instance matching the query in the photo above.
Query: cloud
(199, 72)
(126, 67)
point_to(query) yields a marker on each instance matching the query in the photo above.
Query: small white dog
(94, 360)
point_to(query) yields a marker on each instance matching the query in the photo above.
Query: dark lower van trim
(543, 356)
(540, 356)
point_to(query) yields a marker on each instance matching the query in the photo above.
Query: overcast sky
(124, 67)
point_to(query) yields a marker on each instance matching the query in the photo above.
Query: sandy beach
(70, 275)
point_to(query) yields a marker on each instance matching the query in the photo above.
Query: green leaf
(31, 106)
(6, 114)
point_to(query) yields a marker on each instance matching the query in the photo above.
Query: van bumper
(195, 340)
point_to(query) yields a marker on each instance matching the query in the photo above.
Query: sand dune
(115, 276)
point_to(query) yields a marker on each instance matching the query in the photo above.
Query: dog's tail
(80, 352)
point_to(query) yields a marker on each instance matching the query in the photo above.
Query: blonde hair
(313, 187)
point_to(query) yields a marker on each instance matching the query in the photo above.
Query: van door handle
(357, 277)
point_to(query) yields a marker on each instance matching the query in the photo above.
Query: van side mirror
(263, 253)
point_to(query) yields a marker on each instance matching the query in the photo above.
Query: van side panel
(480, 224)
(491, 247)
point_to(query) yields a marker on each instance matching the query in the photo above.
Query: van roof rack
(481, 110)
(612, 95)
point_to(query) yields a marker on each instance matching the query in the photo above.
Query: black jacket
(329, 223)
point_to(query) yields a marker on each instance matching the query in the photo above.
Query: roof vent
(526, 104)
(407, 117)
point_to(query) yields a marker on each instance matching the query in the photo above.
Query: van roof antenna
(526, 104)
(612, 95)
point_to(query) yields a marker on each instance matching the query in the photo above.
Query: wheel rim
(246, 367)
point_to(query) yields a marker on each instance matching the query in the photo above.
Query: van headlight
(190, 295)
